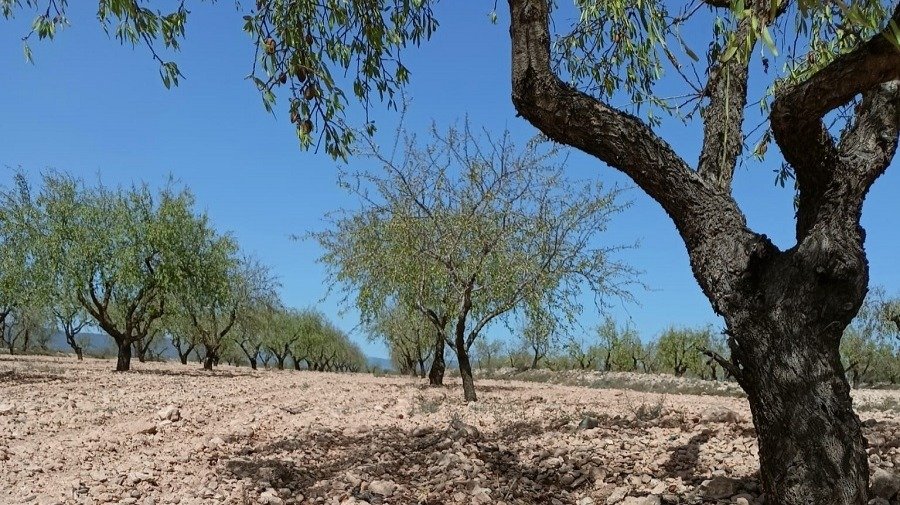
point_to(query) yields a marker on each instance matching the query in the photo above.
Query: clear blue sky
(90, 106)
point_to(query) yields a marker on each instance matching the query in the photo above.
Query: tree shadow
(684, 459)
(18, 378)
(191, 372)
(427, 468)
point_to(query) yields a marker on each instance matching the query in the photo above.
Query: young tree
(539, 334)
(284, 330)
(582, 353)
(479, 225)
(486, 352)
(252, 324)
(408, 335)
(620, 348)
(680, 350)
(866, 349)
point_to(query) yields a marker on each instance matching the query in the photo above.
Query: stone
(588, 423)
(145, 428)
(169, 413)
(617, 495)
(7, 409)
(382, 487)
(270, 498)
(742, 499)
(719, 414)
(481, 496)
(719, 488)
(642, 500)
(215, 443)
(421, 431)
(884, 484)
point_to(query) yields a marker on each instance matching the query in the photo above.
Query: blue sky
(90, 106)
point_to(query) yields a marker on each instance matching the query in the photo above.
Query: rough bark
(123, 361)
(785, 311)
(462, 355)
(438, 366)
(73, 343)
(465, 372)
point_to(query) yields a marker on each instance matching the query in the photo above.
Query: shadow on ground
(425, 467)
(19, 378)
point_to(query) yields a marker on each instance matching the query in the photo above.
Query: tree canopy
(466, 229)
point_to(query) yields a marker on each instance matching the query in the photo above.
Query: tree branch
(621, 140)
(723, 118)
(798, 112)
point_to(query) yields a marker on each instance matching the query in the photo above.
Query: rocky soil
(73, 433)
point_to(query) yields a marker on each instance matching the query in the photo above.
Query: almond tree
(408, 335)
(469, 229)
(121, 252)
(24, 293)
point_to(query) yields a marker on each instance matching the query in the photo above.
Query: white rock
(643, 500)
(616, 496)
(720, 414)
(382, 487)
(170, 413)
(481, 496)
(270, 498)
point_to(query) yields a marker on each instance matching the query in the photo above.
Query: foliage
(467, 229)
(303, 49)
(869, 351)
(620, 348)
(24, 296)
(408, 335)
(680, 350)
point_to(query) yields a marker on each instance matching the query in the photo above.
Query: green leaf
(767, 38)
(730, 51)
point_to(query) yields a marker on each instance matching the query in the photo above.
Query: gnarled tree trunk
(785, 311)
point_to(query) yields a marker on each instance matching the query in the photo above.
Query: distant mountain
(382, 363)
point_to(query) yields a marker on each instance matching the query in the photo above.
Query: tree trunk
(208, 362)
(436, 373)
(123, 363)
(253, 364)
(465, 372)
(296, 364)
(811, 445)
(279, 360)
(79, 352)
(534, 362)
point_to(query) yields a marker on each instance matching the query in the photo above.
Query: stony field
(73, 433)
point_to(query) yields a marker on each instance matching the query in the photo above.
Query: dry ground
(73, 433)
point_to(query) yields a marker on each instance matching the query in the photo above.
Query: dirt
(76, 432)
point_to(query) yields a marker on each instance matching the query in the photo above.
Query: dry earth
(73, 433)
